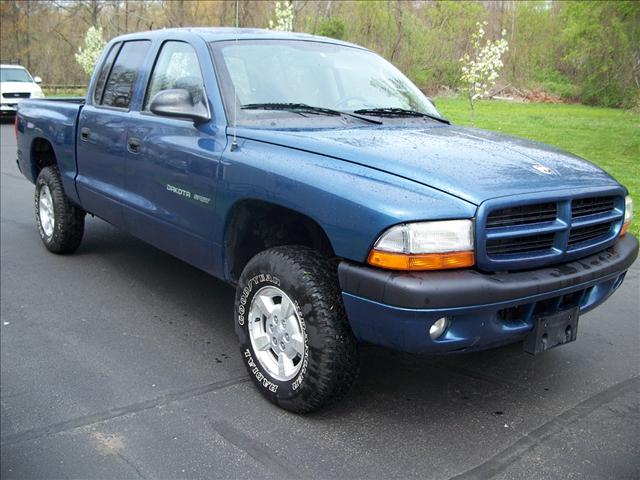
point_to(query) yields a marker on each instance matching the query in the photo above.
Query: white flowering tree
(481, 69)
(284, 17)
(88, 55)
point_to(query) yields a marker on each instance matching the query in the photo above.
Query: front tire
(294, 337)
(60, 223)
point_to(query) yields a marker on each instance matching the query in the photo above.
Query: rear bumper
(396, 309)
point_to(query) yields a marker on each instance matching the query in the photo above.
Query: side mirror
(37, 79)
(178, 103)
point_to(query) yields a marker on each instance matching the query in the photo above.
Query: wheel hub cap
(45, 211)
(276, 333)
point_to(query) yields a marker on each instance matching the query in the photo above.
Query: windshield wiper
(303, 107)
(399, 112)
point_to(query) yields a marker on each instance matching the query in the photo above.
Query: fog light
(439, 326)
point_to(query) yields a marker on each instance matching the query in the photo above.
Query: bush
(556, 83)
(333, 27)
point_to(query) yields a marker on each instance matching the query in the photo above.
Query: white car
(16, 83)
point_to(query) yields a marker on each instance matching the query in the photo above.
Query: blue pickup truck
(316, 178)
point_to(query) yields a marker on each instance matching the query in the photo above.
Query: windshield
(311, 73)
(14, 75)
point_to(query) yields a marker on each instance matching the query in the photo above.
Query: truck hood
(472, 164)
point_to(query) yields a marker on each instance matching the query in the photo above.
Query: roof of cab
(219, 34)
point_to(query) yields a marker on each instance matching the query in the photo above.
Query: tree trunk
(223, 13)
(95, 10)
(180, 13)
(126, 16)
(117, 15)
(27, 35)
(400, 33)
(472, 103)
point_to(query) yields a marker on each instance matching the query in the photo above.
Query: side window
(104, 71)
(176, 67)
(123, 75)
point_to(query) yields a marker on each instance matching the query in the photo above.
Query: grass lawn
(607, 137)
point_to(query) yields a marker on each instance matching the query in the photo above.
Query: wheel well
(42, 155)
(255, 226)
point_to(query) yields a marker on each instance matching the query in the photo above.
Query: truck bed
(55, 120)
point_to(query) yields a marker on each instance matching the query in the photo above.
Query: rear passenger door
(172, 172)
(102, 131)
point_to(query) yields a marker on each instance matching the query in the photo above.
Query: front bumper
(396, 309)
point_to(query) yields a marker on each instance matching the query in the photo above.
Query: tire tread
(69, 219)
(338, 364)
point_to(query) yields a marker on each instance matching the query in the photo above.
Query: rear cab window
(121, 81)
(104, 71)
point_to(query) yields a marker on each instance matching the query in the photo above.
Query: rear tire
(60, 223)
(297, 287)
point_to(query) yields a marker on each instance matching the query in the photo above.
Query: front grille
(522, 215)
(586, 234)
(554, 230)
(582, 207)
(16, 95)
(509, 246)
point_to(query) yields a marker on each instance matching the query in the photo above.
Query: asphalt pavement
(120, 361)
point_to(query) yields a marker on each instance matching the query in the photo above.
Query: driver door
(172, 164)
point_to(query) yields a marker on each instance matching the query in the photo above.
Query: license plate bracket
(550, 331)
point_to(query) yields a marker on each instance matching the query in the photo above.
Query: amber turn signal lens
(625, 228)
(422, 261)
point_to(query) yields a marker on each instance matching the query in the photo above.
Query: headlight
(628, 214)
(425, 246)
(37, 94)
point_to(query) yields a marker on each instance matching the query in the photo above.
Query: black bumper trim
(462, 288)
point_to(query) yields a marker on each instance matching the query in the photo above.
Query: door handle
(84, 133)
(133, 144)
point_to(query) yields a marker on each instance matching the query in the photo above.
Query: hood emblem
(542, 169)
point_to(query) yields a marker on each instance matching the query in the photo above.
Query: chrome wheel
(45, 211)
(276, 333)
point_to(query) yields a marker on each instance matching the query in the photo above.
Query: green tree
(601, 51)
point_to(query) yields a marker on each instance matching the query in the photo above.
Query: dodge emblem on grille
(542, 169)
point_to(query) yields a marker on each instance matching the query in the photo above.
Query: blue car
(318, 180)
